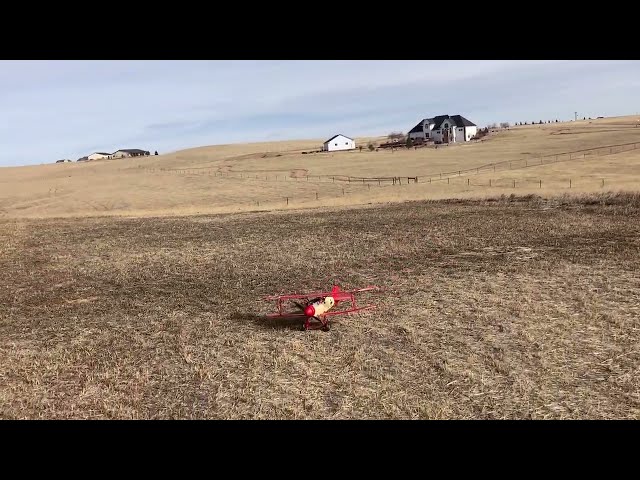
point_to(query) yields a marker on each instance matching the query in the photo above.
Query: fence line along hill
(581, 156)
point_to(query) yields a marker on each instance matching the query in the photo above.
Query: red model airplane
(318, 305)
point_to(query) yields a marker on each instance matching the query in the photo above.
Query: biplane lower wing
(331, 312)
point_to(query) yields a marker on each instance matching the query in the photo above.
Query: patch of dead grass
(505, 308)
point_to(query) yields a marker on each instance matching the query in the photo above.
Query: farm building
(130, 152)
(444, 129)
(98, 155)
(63, 161)
(339, 142)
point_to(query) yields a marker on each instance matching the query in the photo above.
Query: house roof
(336, 136)
(460, 121)
(418, 128)
(132, 150)
(100, 153)
(438, 120)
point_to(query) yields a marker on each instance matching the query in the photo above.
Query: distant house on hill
(63, 161)
(98, 155)
(83, 159)
(444, 129)
(130, 152)
(339, 142)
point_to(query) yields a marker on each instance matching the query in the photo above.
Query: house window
(336, 144)
(446, 125)
(460, 129)
(427, 135)
(346, 143)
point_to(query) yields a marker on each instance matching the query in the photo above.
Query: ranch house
(98, 155)
(130, 152)
(339, 142)
(444, 129)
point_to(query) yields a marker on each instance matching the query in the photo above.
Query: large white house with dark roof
(444, 129)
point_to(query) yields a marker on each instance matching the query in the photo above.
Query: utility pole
(576, 115)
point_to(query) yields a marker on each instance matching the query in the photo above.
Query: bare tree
(505, 125)
(396, 136)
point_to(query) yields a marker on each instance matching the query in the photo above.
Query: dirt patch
(299, 173)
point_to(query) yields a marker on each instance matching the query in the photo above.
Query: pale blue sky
(66, 109)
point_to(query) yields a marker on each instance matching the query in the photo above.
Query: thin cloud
(56, 109)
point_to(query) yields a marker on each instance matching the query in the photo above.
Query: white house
(130, 152)
(98, 155)
(444, 129)
(339, 142)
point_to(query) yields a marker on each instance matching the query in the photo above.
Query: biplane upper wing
(294, 296)
(335, 292)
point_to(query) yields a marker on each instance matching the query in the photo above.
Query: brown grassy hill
(265, 176)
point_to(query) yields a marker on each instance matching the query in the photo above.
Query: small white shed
(339, 142)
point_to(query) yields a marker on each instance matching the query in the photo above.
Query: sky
(55, 109)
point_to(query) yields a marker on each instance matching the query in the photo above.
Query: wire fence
(400, 179)
(343, 185)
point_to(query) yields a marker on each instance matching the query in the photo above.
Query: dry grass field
(513, 308)
(262, 176)
(512, 288)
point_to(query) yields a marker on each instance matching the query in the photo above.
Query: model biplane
(317, 306)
